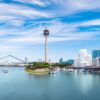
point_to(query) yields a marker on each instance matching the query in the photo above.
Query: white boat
(54, 71)
(81, 70)
(5, 70)
(58, 69)
(76, 70)
(64, 69)
(70, 70)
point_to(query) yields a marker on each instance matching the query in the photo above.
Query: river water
(18, 85)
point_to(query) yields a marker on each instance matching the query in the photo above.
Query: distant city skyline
(73, 25)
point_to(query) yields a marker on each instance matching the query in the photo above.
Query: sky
(73, 25)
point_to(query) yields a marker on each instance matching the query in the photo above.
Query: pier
(92, 68)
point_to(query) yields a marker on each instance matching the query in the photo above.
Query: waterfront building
(83, 59)
(76, 62)
(69, 62)
(89, 60)
(95, 55)
(61, 61)
(97, 62)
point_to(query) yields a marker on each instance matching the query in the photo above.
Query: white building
(89, 60)
(84, 59)
(76, 63)
(97, 62)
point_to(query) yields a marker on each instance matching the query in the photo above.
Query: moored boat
(5, 70)
(53, 71)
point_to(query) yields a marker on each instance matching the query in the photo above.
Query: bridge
(19, 62)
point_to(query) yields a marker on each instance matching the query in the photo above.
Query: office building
(95, 56)
(83, 59)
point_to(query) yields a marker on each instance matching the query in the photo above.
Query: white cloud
(9, 48)
(91, 22)
(84, 4)
(58, 8)
(35, 2)
(67, 7)
(59, 31)
(6, 17)
(72, 4)
(18, 10)
(16, 15)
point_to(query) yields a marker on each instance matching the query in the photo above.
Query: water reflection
(85, 82)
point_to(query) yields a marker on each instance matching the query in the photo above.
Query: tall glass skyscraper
(95, 57)
(95, 54)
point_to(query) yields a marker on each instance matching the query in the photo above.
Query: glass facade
(95, 54)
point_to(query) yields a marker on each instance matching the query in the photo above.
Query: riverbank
(41, 71)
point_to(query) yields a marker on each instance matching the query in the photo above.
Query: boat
(64, 69)
(53, 71)
(70, 70)
(5, 70)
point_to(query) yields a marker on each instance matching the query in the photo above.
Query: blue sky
(73, 25)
